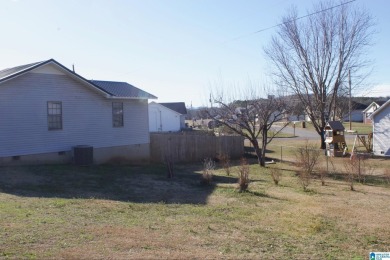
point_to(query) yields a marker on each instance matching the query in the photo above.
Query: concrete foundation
(136, 153)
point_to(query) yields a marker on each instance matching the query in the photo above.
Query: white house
(356, 112)
(369, 110)
(165, 117)
(47, 109)
(381, 130)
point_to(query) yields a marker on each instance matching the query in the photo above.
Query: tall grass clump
(243, 175)
(207, 173)
(224, 159)
(323, 173)
(276, 175)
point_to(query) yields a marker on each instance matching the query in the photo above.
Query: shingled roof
(335, 125)
(111, 89)
(122, 89)
(178, 107)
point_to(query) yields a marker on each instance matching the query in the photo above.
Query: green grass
(64, 211)
(360, 128)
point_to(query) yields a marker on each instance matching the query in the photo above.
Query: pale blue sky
(174, 49)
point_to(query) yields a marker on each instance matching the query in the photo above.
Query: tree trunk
(255, 144)
(323, 144)
(264, 139)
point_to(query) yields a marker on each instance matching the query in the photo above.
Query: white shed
(381, 130)
(165, 117)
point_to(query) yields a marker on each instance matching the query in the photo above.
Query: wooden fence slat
(193, 148)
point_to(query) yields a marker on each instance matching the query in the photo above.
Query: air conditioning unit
(83, 155)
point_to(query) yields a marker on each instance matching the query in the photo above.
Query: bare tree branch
(312, 57)
(251, 117)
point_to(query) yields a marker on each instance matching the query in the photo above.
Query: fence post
(281, 154)
(327, 167)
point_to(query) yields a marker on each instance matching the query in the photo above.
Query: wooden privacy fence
(181, 147)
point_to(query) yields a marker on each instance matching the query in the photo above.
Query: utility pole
(350, 97)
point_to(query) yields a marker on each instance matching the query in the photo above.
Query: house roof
(13, 72)
(358, 106)
(335, 125)
(111, 89)
(178, 107)
(122, 89)
(378, 103)
(385, 104)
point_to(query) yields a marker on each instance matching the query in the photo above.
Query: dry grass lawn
(112, 212)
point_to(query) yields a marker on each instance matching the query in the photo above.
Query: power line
(261, 30)
(293, 20)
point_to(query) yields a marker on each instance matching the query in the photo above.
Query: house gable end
(380, 109)
(178, 107)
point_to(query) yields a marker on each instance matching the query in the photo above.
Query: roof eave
(380, 108)
(132, 98)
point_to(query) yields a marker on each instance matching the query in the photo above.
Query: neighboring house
(356, 113)
(165, 117)
(369, 110)
(381, 130)
(47, 109)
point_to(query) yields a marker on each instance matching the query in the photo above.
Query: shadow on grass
(259, 194)
(146, 184)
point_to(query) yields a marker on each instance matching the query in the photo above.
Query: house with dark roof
(356, 112)
(46, 110)
(381, 130)
(167, 117)
(370, 109)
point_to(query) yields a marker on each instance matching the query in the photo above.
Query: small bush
(225, 161)
(243, 175)
(207, 174)
(276, 175)
(350, 167)
(365, 168)
(306, 159)
(323, 173)
(304, 179)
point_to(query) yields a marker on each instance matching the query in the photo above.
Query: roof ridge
(9, 72)
(109, 81)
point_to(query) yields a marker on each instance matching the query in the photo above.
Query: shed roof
(178, 107)
(335, 125)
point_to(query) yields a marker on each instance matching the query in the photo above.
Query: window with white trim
(54, 115)
(117, 114)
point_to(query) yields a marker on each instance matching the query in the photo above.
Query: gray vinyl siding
(87, 116)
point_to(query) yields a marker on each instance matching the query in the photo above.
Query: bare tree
(251, 118)
(312, 56)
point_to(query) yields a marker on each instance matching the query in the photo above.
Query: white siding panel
(381, 142)
(87, 117)
(163, 119)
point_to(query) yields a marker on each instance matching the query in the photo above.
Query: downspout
(160, 129)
